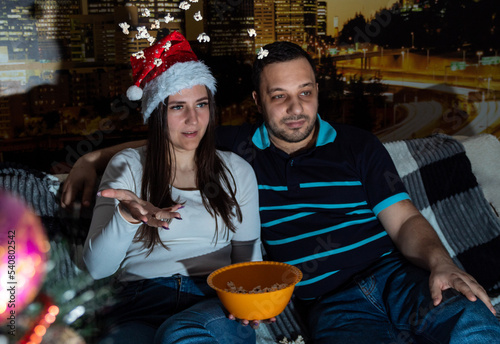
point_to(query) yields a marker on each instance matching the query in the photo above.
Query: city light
(479, 54)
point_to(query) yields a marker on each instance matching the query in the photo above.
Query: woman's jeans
(391, 304)
(171, 310)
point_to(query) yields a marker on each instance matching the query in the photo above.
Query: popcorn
(139, 55)
(158, 62)
(251, 32)
(256, 290)
(197, 16)
(203, 37)
(299, 340)
(142, 32)
(262, 53)
(151, 40)
(184, 5)
(156, 25)
(124, 27)
(146, 13)
(193, 0)
(169, 18)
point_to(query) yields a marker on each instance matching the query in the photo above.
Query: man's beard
(292, 136)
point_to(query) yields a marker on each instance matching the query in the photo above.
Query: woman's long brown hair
(213, 179)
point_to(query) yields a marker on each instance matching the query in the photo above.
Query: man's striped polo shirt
(319, 208)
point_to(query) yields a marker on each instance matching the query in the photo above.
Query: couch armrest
(483, 152)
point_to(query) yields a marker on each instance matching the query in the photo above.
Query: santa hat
(164, 69)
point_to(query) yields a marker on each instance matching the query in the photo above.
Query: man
(328, 207)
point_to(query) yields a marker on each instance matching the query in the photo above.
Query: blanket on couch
(439, 179)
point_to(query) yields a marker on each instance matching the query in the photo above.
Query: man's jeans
(172, 310)
(390, 303)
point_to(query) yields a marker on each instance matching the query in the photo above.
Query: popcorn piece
(256, 290)
(193, 0)
(158, 62)
(124, 26)
(197, 16)
(169, 18)
(156, 25)
(142, 32)
(203, 37)
(139, 55)
(151, 40)
(146, 13)
(251, 32)
(184, 5)
(262, 53)
(299, 340)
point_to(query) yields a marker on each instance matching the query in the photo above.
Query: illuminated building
(5, 125)
(227, 26)
(93, 38)
(53, 28)
(158, 9)
(264, 22)
(310, 17)
(335, 26)
(98, 37)
(295, 20)
(18, 47)
(17, 32)
(98, 41)
(322, 18)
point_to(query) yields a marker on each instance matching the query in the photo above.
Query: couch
(452, 180)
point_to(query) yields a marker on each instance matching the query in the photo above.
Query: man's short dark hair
(278, 52)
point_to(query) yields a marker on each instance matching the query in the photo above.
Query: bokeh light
(24, 251)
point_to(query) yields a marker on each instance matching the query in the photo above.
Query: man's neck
(295, 148)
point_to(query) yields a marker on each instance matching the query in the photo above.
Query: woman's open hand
(135, 210)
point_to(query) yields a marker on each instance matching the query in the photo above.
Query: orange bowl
(249, 275)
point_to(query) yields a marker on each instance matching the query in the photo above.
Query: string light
(45, 319)
(53, 310)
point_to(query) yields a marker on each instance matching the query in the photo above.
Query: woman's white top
(192, 248)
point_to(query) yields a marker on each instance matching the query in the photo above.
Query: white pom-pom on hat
(134, 93)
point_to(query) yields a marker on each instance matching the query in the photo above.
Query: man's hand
(254, 323)
(419, 243)
(135, 210)
(448, 275)
(82, 180)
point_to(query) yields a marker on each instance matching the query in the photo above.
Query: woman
(173, 211)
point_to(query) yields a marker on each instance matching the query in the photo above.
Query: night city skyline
(65, 65)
